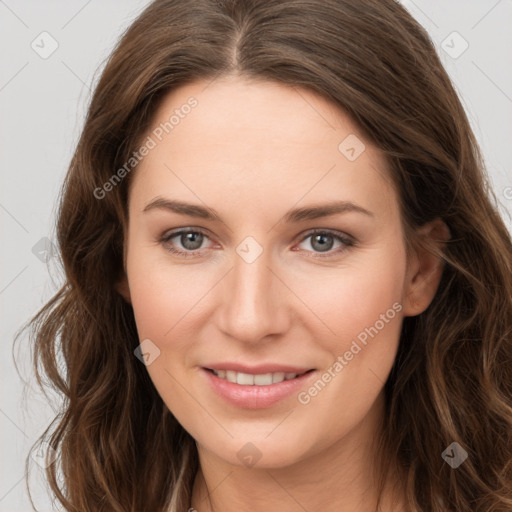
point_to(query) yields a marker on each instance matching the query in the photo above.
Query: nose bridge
(251, 308)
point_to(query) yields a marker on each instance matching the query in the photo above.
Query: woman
(288, 286)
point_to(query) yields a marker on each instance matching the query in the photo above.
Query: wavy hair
(119, 448)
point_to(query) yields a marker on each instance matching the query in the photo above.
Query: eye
(324, 240)
(190, 239)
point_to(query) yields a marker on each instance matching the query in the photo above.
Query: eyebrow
(292, 216)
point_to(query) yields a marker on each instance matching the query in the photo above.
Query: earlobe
(425, 268)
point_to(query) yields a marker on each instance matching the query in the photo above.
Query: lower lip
(256, 397)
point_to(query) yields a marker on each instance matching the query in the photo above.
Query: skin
(252, 150)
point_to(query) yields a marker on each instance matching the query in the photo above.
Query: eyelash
(346, 240)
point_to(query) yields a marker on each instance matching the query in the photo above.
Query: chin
(260, 451)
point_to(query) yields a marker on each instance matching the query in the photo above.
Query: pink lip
(258, 369)
(256, 397)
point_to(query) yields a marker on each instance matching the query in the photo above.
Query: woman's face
(264, 282)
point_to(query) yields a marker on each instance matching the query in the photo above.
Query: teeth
(278, 377)
(247, 379)
(231, 376)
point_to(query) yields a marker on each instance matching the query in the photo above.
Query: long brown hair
(119, 447)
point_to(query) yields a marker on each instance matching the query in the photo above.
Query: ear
(123, 288)
(425, 268)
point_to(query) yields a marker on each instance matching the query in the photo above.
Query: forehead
(258, 139)
(257, 114)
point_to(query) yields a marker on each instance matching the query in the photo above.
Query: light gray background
(43, 102)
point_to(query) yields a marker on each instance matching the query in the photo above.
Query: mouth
(256, 390)
(250, 379)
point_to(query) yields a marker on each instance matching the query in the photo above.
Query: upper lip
(258, 369)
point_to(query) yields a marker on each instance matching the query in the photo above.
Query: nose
(253, 305)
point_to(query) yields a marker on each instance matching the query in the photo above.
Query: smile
(256, 390)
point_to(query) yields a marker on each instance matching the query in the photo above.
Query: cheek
(348, 301)
(362, 309)
(166, 300)
(163, 293)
